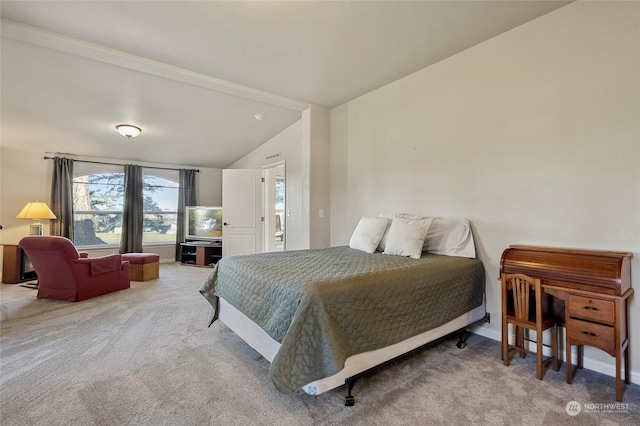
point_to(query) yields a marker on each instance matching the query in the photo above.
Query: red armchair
(65, 274)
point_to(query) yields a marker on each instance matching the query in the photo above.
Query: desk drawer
(588, 333)
(592, 309)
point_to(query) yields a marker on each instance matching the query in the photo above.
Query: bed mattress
(323, 306)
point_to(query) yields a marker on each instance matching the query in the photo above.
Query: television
(27, 271)
(203, 223)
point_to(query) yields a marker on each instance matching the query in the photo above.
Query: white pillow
(383, 241)
(368, 233)
(390, 216)
(406, 237)
(451, 237)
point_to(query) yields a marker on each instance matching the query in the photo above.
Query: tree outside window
(98, 207)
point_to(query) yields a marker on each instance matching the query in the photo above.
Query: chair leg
(567, 361)
(580, 356)
(505, 342)
(520, 340)
(539, 347)
(554, 347)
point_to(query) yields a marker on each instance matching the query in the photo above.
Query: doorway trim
(269, 209)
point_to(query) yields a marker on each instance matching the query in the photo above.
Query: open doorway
(274, 207)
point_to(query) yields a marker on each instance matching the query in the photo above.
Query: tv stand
(14, 270)
(201, 253)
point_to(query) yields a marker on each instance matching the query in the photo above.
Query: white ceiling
(193, 74)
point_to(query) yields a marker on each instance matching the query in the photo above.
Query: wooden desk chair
(526, 313)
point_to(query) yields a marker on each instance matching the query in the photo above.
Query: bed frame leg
(462, 339)
(349, 400)
(463, 334)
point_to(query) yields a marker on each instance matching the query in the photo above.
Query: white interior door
(242, 211)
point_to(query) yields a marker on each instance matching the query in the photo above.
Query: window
(98, 205)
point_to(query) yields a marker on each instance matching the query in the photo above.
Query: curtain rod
(118, 164)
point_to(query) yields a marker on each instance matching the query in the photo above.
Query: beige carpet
(144, 356)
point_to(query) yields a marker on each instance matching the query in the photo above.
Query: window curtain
(132, 215)
(62, 197)
(186, 197)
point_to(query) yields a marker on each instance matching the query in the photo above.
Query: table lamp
(37, 211)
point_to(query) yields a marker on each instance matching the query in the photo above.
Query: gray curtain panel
(132, 216)
(186, 197)
(62, 197)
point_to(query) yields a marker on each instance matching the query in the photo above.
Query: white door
(242, 211)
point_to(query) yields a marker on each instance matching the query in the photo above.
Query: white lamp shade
(36, 210)
(128, 131)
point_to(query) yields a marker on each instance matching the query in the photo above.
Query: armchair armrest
(102, 265)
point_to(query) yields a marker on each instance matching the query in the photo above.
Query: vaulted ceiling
(193, 74)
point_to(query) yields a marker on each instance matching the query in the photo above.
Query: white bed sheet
(266, 346)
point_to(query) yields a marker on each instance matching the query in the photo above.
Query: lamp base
(35, 229)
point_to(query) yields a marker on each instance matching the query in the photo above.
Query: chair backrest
(51, 244)
(522, 286)
(50, 257)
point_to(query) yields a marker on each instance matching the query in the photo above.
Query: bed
(323, 316)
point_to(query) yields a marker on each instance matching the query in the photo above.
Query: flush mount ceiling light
(128, 131)
(259, 117)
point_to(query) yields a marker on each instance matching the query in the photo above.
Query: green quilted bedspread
(325, 305)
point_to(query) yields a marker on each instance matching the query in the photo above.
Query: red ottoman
(144, 266)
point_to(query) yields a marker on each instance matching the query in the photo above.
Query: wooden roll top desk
(590, 292)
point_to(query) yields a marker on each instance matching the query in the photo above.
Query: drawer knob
(589, 333)
(590, 308)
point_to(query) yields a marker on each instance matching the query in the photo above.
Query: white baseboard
(589, 363)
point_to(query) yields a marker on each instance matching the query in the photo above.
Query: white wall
(304, 147)
(26, 176)
(316, 121)
(285, 146)
(533, 135)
